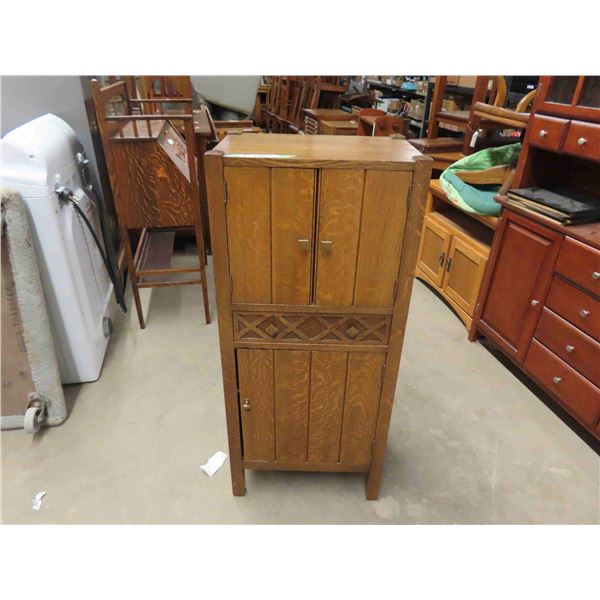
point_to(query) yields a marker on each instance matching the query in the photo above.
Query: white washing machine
(36, 158)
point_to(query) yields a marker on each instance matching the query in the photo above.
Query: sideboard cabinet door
(300, 406)
(269, 234)
(361, 221)
(518, 284)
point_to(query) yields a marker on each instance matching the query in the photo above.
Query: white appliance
(37, 157)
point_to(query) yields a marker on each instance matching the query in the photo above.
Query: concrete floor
(469, 441)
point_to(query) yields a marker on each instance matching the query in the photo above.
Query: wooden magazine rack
(153, 173)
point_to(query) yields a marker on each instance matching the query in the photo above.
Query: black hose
(68, 195)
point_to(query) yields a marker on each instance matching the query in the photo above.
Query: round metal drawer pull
(569, 348)
(535, 302)
(584, 313)
(581, 141)
(246, 405)
(543, 133)
(596, 275)
(557, 379)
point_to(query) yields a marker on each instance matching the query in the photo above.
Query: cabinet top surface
(588, 234)
(318, 150)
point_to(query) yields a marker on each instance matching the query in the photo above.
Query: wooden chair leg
(201, 261)
(132, 275)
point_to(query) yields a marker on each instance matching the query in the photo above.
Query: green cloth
(480, 198)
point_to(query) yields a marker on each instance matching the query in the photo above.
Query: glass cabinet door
(590, 94)
(562, 89)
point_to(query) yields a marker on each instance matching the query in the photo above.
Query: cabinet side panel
(292, 199)
(255, 372)
(363, 388)
(249, 233)
(292, 384)
(327, 382)
(381, 232)
(340, 205)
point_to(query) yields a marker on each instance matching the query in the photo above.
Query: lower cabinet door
(433, 249)
(464, 272)
(308, 408)
(518, 284)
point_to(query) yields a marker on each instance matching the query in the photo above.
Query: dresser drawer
(570, 344)
(574, 391)
(548, 132)
(581, 264)
(575, 306)
(583, 139)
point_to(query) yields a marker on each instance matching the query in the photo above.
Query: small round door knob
(581, 141)
(596, 275)
(569, 348)
(246, 404)
(557, 379)
(535, 302)
(543, 133)
(584, 313)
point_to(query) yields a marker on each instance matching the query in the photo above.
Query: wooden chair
(154, 178)
(488, 117)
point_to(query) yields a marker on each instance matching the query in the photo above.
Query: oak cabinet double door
(330, 237)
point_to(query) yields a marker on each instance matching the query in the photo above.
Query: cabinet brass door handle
(246, 404)
(303, 244)
(326, 246)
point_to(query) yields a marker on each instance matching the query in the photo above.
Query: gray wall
(25, 98)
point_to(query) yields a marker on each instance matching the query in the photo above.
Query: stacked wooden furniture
(154, 178)
(540, 302)
(338, 127)
(453, 251)
(313, 117)
(315, 241)
(446, 150)
(287, 97)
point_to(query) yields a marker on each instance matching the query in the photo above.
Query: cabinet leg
(473, 333)
(238, 480)
(372, 482)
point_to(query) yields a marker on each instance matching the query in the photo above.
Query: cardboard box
(416, 109)
(449, 104)
(467, 81)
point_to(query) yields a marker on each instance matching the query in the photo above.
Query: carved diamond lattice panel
(341, 329)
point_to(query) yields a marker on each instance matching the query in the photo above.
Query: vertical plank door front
(257, 407)
(464, 274)
(361, 404)
(433, 249)
(340, 204)
(327, 382)
(292, 201)
(384, 210)
(292, 384)
(249, 233)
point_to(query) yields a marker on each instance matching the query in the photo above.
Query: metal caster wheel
(33, 419)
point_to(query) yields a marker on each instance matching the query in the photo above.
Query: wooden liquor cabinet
(315, 242)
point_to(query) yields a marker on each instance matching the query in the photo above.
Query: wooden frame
(229, 154)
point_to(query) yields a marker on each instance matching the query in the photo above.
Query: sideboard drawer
(573, 390)
(583, 139)
(570, 344)
(548, 132)
(575, 306)
(581, 264)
